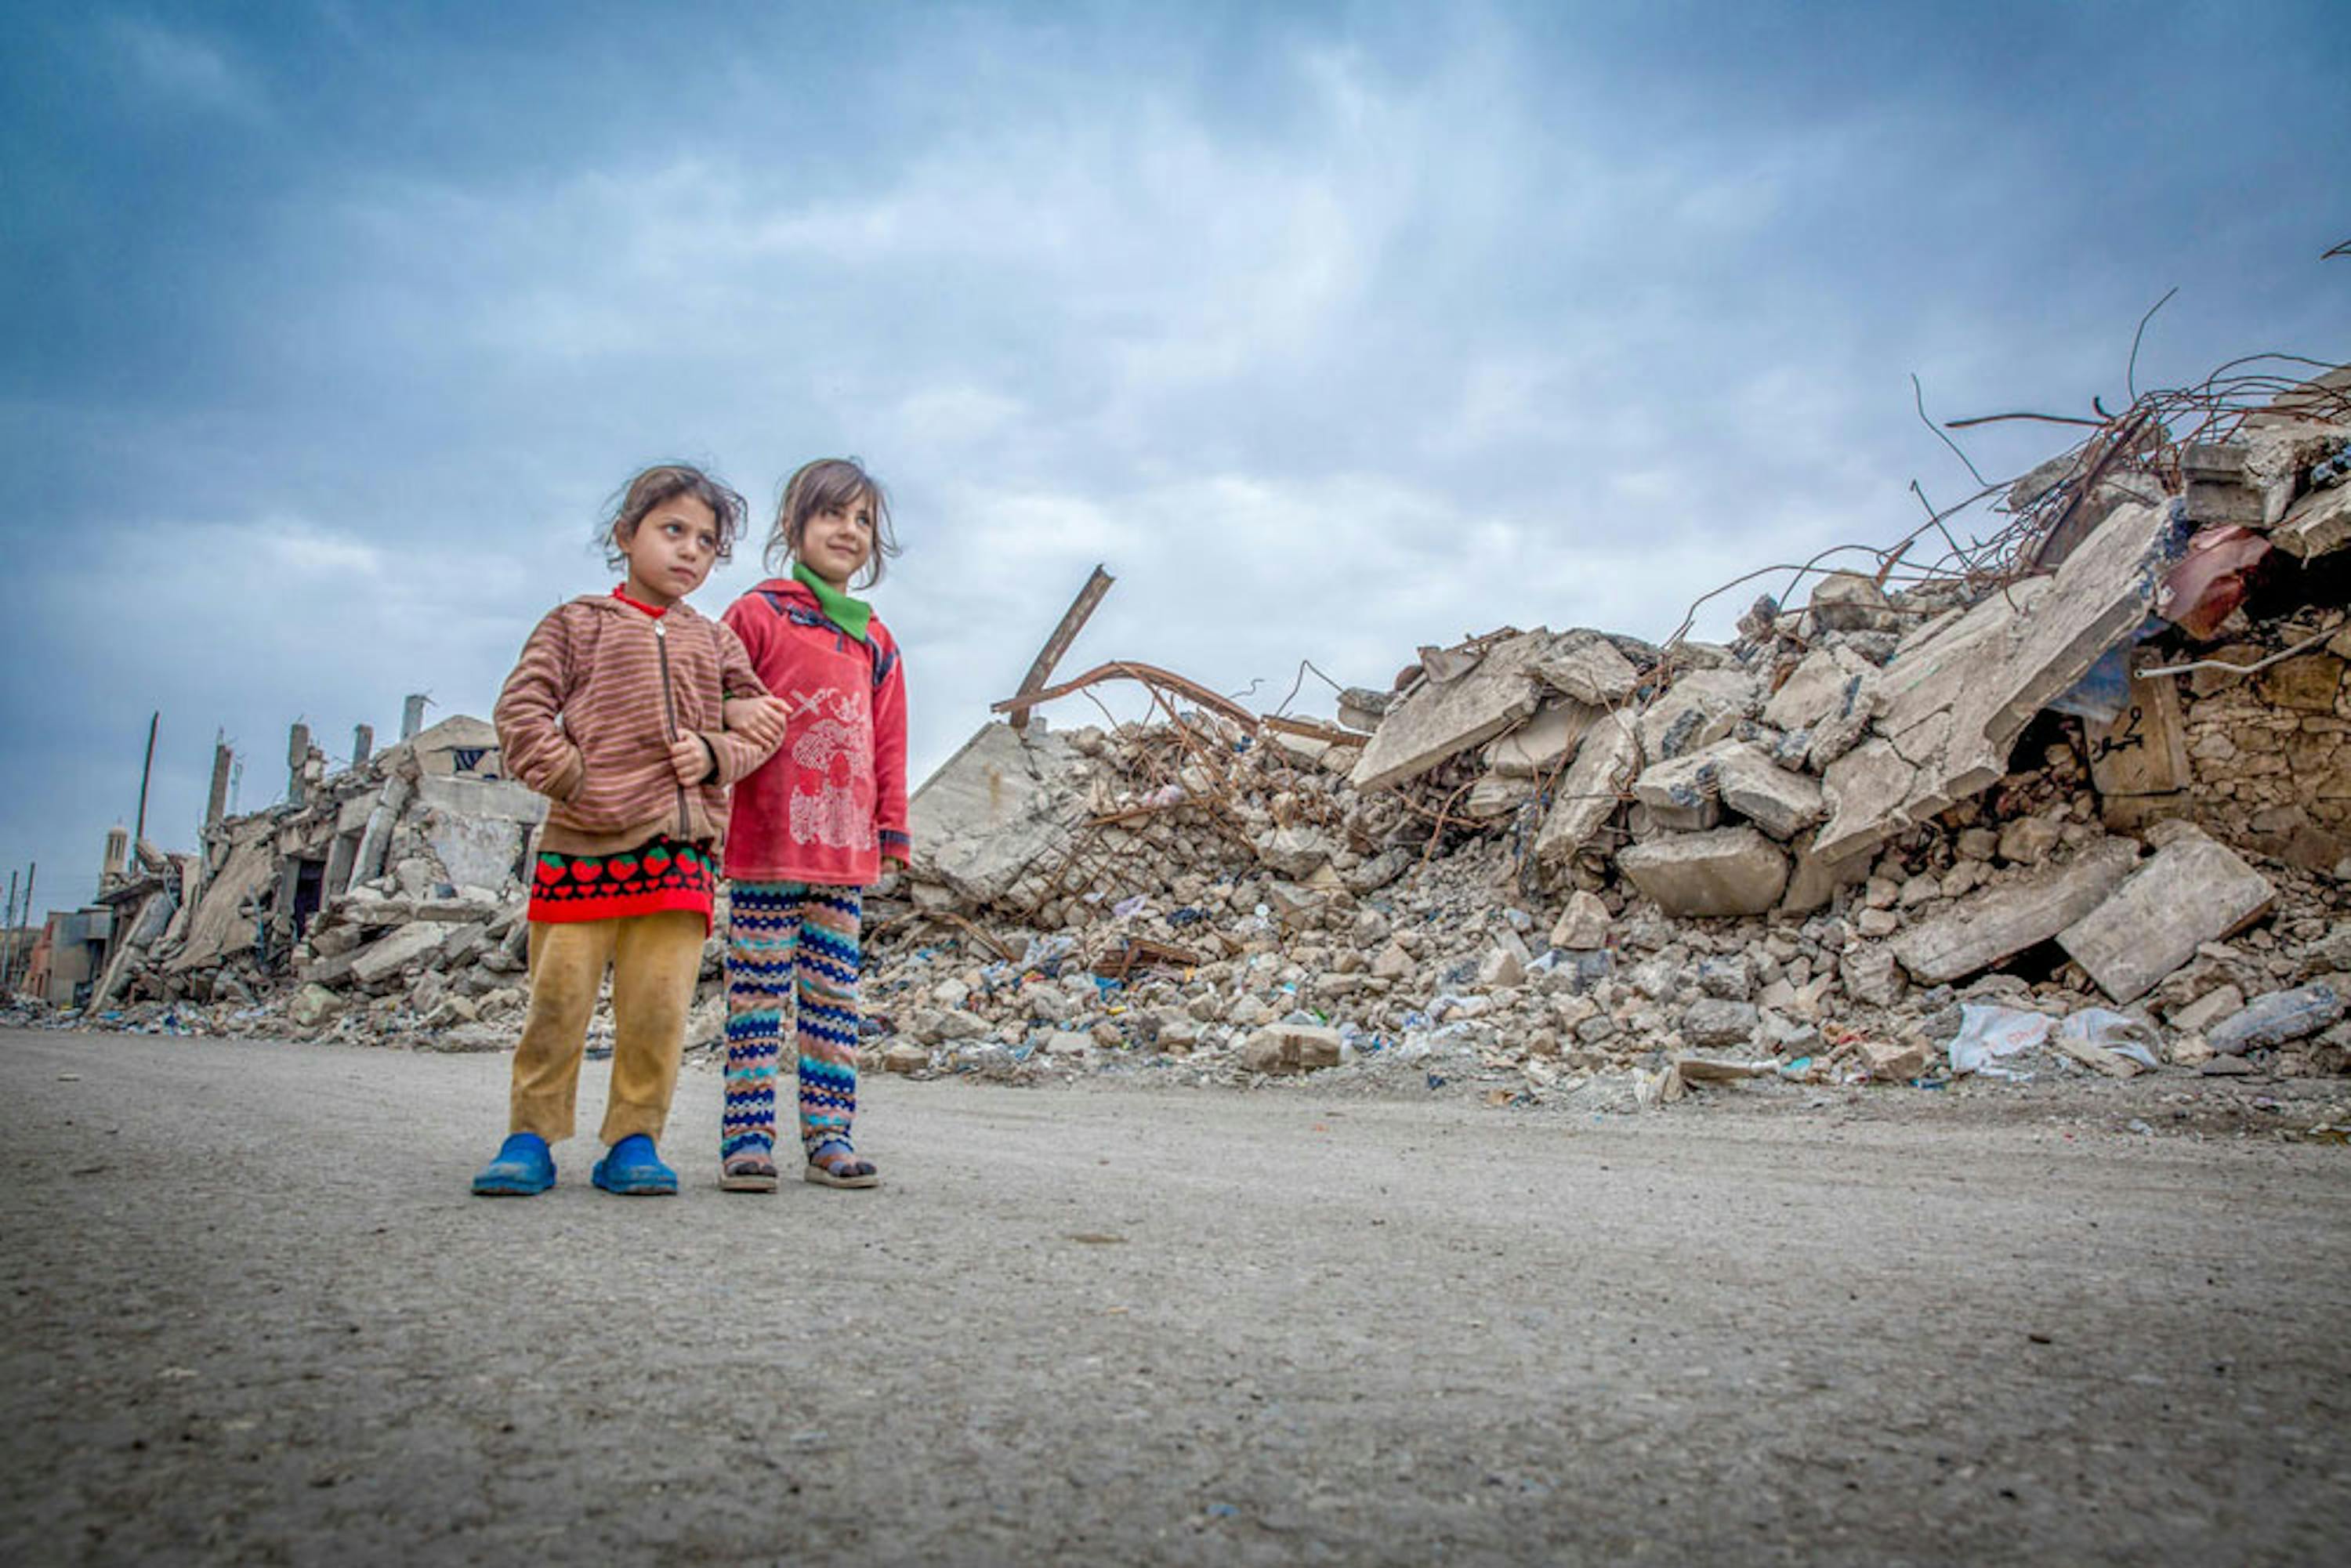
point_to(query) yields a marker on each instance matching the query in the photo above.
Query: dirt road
(251, 1315)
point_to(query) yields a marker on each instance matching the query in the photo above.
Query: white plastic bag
(1986, 1034)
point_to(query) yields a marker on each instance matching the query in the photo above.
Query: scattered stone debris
(2089, 778)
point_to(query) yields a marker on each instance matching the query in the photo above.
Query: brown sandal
(833, 1163)
(747, 1173)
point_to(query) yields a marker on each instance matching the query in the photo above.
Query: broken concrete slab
(1731, 871)
(221, 921)
(2191, 891)
(393, 952)
(2319, 523)
(1701, 708)
(1005, 798)
(1588, 667)
(1996, 922)
(1604, 767)
(1957, 696)
(1549, 738)
(1440, 718)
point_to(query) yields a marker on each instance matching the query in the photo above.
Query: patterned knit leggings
(782, 938)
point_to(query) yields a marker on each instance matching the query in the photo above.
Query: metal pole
(1072, 621)
(146, 771)
(8, 954)
(29, 871)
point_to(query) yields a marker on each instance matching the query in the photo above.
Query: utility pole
(30, 871)
(8, 955)
(146, 772)
(216, 803)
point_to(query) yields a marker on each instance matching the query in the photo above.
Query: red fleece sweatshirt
(832, 800)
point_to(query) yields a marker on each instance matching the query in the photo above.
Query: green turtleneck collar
(851, 615)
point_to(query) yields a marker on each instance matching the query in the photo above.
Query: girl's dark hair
(820, 486)
(662, 483)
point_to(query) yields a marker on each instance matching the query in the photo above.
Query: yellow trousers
(655, 959)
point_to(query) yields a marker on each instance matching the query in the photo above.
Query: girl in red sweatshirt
(813, 827)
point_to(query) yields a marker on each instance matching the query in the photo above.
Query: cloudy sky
(1331, 330)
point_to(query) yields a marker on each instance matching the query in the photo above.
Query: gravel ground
(253, 1316)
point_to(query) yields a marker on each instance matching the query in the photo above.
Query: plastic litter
(1986, 1034)
(2110, 1030)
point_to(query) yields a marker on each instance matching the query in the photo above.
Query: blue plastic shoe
(523, 1169)
(631, 1169)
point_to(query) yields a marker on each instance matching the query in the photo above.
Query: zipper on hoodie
(669, 706)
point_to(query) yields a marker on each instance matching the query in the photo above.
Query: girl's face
(671, 551)
(837, 541)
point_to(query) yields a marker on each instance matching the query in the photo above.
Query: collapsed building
(2077, 792)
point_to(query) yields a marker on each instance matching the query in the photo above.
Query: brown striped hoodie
(587, 717)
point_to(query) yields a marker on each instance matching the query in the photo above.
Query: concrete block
(2191, 891)
(1731, 871)
(1290, 1048)
(1866, 790)
(1680, 793)
(1832, 682)
(1701, 708)
(1847, 602)
(1993, 924)
(1497, 794)
(1715, 1021)
(1589, 669)
(1889, 1061)
(1780, 802)
(1584, 925)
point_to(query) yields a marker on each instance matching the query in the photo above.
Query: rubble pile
(2105, 782)
(383, 902)
(2074, 799)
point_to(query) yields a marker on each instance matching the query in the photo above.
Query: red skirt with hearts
(663, 875)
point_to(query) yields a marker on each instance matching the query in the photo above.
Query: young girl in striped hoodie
(813, 827)
(616, 712)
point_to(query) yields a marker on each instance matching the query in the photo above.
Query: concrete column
(412, 716)
(297, 752)
(216, 804)
(362, 744)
